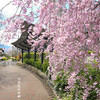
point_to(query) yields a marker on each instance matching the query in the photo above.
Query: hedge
(37, 63)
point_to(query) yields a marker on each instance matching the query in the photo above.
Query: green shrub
(45, 65)
(4, 58)
(32, 55)
(61, 83)
(92, 76)
(38, 64)
(54, 98)
(31, 61)
(25, 55)
(26, 61)
(89, 52)
(14, 59)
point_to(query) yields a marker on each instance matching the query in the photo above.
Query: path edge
(43, 76)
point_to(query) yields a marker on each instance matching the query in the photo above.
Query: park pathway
(17, 83)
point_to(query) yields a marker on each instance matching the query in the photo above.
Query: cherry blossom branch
(96, 6)
(17, 10)
(6, 5)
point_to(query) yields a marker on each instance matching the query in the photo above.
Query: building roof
(22, 41)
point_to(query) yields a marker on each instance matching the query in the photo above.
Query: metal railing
(7, 63)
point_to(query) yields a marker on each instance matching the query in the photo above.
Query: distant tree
(13, 52)
(1, 52)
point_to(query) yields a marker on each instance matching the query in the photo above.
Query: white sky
(8, 10)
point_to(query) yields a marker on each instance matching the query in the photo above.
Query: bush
(4, 58)
(32, 55)
(61, 83)
(14, 59)
(91, 79)
(45, 65)
(38, 64)
(26, 61)
(31, 61)
(25, 55)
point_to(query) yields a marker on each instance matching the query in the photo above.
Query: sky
(4, 46)
(7, 11)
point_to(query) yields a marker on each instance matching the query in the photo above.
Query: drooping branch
(6, 5)
(96, 6)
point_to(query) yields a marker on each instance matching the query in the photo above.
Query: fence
(7, 63)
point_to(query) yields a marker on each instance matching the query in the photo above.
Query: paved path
(17, 83)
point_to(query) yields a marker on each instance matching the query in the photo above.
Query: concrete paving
(17, 83)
